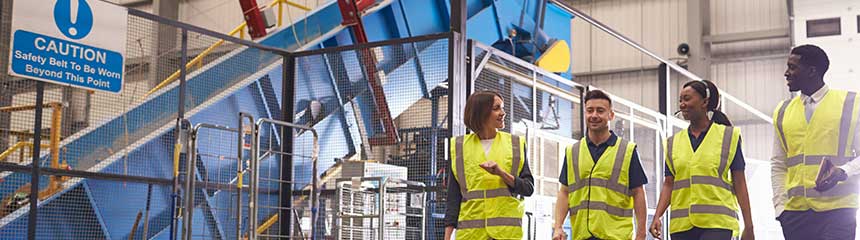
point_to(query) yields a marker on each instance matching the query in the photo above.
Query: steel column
(288, 105)
(34, 175)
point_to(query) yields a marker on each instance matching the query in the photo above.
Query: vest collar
(609, 142)
(703, 134)
(817, 96)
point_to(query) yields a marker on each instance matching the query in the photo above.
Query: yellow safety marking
(556, 58)
(177, 149)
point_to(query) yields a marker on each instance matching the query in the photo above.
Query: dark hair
(478, 107)
(811, 55)
(708, 90)
(597, 94)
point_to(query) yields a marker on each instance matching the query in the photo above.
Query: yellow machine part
(556, 58)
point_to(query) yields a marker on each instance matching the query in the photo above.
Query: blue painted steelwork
(228, 86)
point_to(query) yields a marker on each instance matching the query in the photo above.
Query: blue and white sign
(79, 43)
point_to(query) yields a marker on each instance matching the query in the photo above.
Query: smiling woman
(490, 175)
(705, 184)
(484, 112)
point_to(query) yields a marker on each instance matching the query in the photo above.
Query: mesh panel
(345, 95)
(216, 182)
(271, 190)
(131, 135)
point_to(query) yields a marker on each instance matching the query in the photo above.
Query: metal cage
(379, 208)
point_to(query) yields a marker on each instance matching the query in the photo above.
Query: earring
(710, 115)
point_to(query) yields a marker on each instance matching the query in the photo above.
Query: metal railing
(274, 209)
(197, 62)
(669, 64)
(193, 178)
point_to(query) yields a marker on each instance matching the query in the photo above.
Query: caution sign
(78, 43)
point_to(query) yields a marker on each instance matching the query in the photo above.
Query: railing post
(287, 146)
(35, 174)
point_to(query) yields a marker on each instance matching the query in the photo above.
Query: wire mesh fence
(111, 162)
(217, 187)
(350, 94)
(285, 209)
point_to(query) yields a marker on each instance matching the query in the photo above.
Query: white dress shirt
(778, 168)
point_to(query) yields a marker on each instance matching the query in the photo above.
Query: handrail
(198, 60)
(255, 176)
(15, 147)
(653, 55)
(56, 126)
(267, 224)
(526, 80)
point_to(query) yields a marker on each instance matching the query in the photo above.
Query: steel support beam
(747, 36)
(288, 111)
(6, 88)
(698, 26)
(458, 84)
(163, 39)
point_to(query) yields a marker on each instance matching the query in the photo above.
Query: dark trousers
(810, 225)
(703, 234)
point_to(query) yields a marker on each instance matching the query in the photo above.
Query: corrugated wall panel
(225, 15)
(738, 16)
(639, 86)
(733, 16)
(658, 25)
(665, 27)
(760, 83)
(580, 41)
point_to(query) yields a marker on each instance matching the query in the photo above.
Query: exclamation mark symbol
(73, 16)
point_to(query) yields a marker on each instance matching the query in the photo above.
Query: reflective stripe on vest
(815, 160)
(838, 190)
(492, 222)
(708, 180)
(595, 205)
(703, 209)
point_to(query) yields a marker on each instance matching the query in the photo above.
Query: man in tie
(814, 165)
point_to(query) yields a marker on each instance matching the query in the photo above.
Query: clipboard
(825, 168)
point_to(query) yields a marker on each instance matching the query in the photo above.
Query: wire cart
(377, 208)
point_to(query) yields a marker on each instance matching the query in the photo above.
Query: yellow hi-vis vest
(827, 135)
(703, 194)
(608, 211)
(489, 209)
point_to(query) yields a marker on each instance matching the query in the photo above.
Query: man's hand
(491, 167)
(748, 233)
(834, 176)
(656, 228)
(558, 234)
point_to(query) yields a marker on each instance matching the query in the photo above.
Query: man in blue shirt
(598, 139)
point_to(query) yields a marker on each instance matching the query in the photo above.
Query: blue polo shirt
(635, 173)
